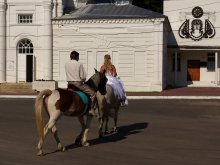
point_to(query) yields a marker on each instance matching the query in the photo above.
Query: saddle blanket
(83, 96)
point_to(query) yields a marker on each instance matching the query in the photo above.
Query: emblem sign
(198, 27)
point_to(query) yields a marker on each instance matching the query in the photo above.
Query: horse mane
(91, 81)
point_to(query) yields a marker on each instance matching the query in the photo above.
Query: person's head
(107, 58)
(74, 55)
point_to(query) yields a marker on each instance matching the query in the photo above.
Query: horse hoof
(40, 153)
(116, 130)
(107, 132)
(86, 144)
(63, 149)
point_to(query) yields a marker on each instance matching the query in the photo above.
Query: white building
(150, 51)
(194, 43)
(26, 40)
(133, 36)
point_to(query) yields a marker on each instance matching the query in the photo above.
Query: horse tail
(38, 111)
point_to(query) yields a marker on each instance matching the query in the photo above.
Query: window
(178, 63)
(25, 47)
(25, 18)
(211, 62)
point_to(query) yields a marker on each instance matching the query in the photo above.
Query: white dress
(118, 87)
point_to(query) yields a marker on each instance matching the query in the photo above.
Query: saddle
(66, 98)
(84, 97)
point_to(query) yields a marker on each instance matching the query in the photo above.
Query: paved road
(152, 132)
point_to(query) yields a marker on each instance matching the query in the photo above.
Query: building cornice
(112, 21)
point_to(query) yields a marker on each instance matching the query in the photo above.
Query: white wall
(135, 48)
(180, 10)
(35, 32)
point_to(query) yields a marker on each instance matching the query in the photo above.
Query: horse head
(98, 82)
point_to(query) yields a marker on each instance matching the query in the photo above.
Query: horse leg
(39, 147)
(48, 126)
(79, 137)
(115, 123)
(106, 125)
(115, 129)
(84, 141)
(101, 127)
(55, 134)
(40, 143)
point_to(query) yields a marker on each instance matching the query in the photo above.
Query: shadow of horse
(123, 133)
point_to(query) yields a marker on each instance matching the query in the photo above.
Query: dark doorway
(29, 68)
(193, 70)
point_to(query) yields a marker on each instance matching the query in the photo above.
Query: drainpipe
(216, 69)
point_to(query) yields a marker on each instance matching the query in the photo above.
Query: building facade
(134, 37)
(194, 42)
(151, 51)
(37, 37)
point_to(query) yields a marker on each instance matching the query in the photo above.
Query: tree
(154, 5)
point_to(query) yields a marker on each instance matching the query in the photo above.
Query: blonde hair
(107, 62)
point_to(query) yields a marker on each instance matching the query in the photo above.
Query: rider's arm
(82, 73)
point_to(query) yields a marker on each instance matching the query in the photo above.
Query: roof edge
(194, 47)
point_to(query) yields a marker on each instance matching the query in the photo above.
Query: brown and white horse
(63, 102)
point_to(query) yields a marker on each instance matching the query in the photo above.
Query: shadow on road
(123, 133)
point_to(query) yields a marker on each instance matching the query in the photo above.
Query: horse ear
(95, 70)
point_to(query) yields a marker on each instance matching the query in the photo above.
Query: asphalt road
(151, 132)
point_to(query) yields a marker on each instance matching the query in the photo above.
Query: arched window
(25, 46)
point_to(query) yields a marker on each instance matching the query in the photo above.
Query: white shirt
(75, 71)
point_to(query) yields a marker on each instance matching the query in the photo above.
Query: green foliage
(154, 5)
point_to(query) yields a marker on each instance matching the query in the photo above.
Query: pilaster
(59, 8)
(2, 41)
(47, 40)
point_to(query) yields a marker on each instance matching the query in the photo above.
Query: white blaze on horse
(108, 106)
(63, 102)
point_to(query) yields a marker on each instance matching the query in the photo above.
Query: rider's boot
(93, 106)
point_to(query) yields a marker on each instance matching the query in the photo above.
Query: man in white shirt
(76, 76)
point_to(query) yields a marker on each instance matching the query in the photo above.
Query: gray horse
(108, 106)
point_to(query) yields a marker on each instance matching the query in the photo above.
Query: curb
(18, 96)
(172, 97)
(129, 97)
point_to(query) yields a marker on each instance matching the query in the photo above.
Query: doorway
(25, 61)
(193, 70)
(29, 68)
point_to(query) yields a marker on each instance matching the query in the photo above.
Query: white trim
(83, 21)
